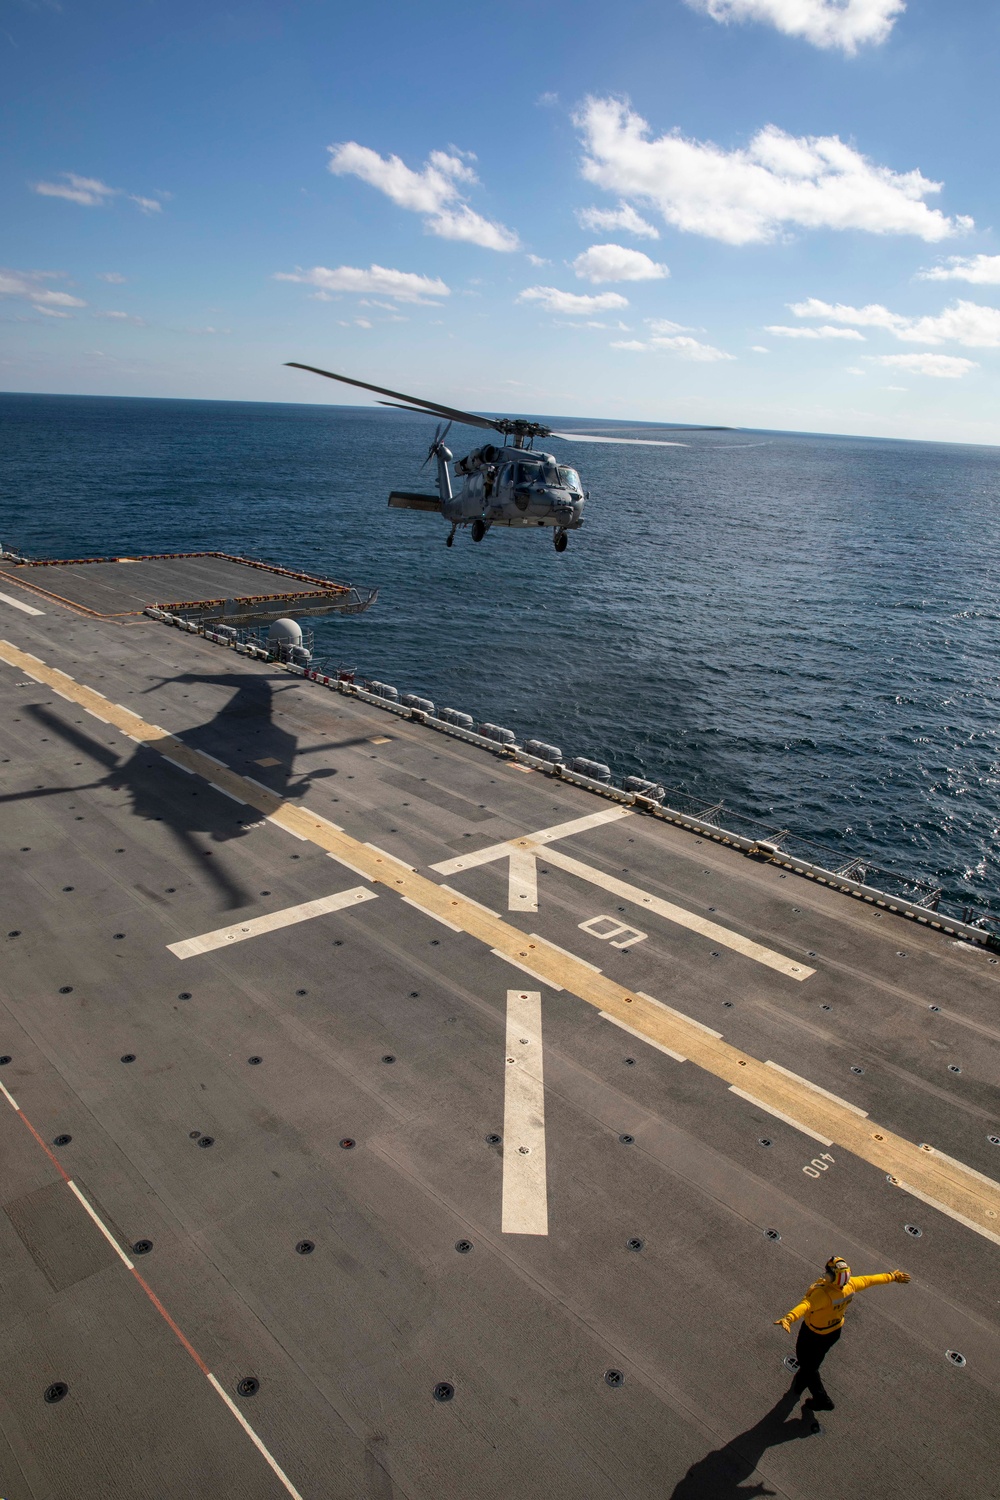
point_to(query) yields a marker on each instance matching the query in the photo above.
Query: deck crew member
(823, 1308)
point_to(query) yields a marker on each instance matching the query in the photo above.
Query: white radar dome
(285, 633)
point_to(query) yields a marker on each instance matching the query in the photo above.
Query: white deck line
(642, 1037)
(98, 717)
(979, 1176)
(239, 932)
(102, 1227)
(525, 1188)
(724, 936)
(680, 1015)
(951, 1212)
(525, 970)
(432, 914)
(272, 818)
(254, 782)
(834, 1098)
(474, 858)
(278, 1470)
(177, 765)
(28, 609)
(394, 857)
(504, 850)
(487, 909)
(550, 944)
(355, 869)
(778, 1114)
(522, 881)
(10, 1098)
(231, 795)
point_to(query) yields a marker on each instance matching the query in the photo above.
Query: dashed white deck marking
(642, 1037)
(863, 1113)
(525, 1188)
(255, 926)
(778, 1114)
(28, 609)
(435, 916)
(944, 1208)
(532, 973)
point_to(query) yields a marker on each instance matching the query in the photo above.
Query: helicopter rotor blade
(431, 408)
(587, 437)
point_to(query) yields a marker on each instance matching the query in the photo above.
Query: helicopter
(511, 484)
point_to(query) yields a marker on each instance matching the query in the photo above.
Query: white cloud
(435, 191)
(967, 323)
(665, 326)
(622, 217)
(31, 286)
(572, 303)
(826, 332)
(538, 260)
(750, 194)
(942, 366)
(616, 263)
(114, 277)
(759, 349)
(825, 23)
(404, 286)
(679, 344)
(982, 269)
(122, 317)
(91, 192)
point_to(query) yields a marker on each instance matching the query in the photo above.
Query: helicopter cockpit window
(569, 479)
(527, 473)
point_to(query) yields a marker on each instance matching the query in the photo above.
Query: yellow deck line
(973, 1201)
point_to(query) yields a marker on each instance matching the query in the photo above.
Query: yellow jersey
(825, 1303)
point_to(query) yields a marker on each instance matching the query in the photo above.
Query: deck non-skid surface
(125, 585)
(249, 911)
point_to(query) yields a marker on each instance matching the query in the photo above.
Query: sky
(766, 213)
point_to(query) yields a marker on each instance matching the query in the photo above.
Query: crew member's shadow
(720, 1474)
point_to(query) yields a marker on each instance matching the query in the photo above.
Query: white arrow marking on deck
(522, 881)
(523, 889)
(254, 926)
(525, 1188)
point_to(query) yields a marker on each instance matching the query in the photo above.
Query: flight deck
(385, 1118)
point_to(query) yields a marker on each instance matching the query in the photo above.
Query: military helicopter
(507, 485)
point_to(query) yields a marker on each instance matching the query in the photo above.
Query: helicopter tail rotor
(438, 442)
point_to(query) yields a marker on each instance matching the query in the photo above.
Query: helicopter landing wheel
(478, 529)
(449, 540)
(560, 541)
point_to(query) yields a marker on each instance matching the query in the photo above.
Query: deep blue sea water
(807, 628)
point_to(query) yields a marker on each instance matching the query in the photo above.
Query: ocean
(803, 628)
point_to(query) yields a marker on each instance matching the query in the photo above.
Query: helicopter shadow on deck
(184, 804)
(720, 1475)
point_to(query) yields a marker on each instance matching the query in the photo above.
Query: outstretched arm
(860, 1283)
(798, 1311)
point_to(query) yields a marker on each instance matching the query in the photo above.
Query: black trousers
(810, 1350)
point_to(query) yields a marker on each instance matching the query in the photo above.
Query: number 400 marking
(819, 1164)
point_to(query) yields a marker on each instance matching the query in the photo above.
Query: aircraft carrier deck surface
(339, 1162)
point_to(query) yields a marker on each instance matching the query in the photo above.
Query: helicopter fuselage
(509, 486)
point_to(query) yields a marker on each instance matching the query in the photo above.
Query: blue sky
(772, 213)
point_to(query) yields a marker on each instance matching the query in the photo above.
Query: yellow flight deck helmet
(838, 1271)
